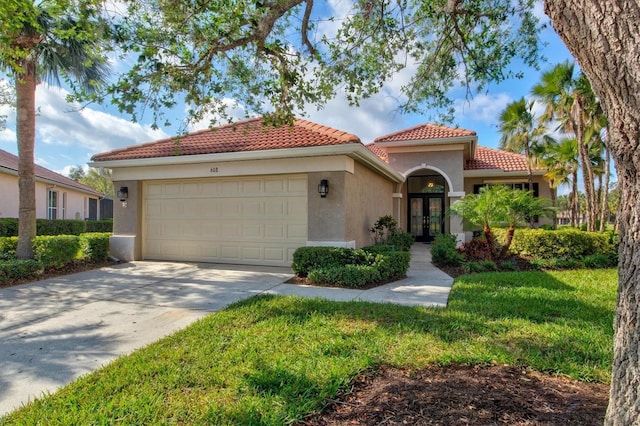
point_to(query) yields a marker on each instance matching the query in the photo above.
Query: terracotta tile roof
(246, 135)
(425, 131)
(10, 161)
(495, 159)
(378, 151)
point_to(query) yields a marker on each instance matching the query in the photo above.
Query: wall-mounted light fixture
(323, 188)
(123, 195)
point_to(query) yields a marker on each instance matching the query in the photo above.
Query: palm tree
(570, 100)
(498, 204)
(520, 132)
(560, 158)
(45, 45)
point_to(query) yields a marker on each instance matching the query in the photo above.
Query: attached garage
(257, 220)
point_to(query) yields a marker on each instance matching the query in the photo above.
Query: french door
(426, 216)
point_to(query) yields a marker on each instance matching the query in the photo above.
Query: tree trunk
(604, 207)
(26, 135)
(604, 37)
(507, 244)
(575, 204)
(577, 111)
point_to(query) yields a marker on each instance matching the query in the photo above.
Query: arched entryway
(426, 205)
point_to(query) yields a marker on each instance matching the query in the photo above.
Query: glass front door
(426, 213)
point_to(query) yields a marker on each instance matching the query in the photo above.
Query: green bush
(566, 243)
(56, 250)
(443, 251)
(307, 258)
(401, 240)
(348, 267)
(15, 269)
(95, 245)
(347, 275)
(379, 248)
(599, 261)
(8, 227)
(8, 247)
(98, 226)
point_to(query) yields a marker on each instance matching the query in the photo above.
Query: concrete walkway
(56, 330)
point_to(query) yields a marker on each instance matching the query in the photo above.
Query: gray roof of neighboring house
(9, 164)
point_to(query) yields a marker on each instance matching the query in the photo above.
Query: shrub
(379, 248)
(8, 247)
(565, 243)
(347, 275)
(401, 240)
(98, 226)
(509, 266)
(477, 250)
(95, 246)
(308, 258)
(15, 269)
(59, 227)
(348, 267)
(443, 251)
(8, 227)
(56, 250)
(488, 265)
(599, 261)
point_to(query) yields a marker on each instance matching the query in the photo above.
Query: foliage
(100, 180)
(385, 231)
(60, 226)
(348, 267)
(477, 249)
(57, 250)
(566, 243)
(275, 60)
(15, 269)
(443, 251)
(471, 267)
(277, 360)
(8, 247)
(9, 226)
(95, 245)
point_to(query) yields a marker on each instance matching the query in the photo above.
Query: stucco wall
(449, 163)
(76, 205)
(327, 220)
(368, 196)
(126, 242)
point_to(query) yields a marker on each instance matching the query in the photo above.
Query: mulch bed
(466, 395)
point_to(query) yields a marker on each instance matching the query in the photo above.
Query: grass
(275, 360)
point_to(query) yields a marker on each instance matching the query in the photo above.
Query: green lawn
(273, 360)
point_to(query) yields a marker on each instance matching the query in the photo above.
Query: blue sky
(66, 138)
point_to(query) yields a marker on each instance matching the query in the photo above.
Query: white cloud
(484, 108)
(234, 110)
(97, 131)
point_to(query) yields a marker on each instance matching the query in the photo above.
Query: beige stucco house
(57, 196)
(246, 193)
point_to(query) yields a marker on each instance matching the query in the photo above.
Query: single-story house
(57, 196)
(250, 194)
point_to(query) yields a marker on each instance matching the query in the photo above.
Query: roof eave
(13, 172)
(500, 173)
(439, 141)
(354, 150)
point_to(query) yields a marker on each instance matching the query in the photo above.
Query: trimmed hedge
(348, 267)
(56, 250)
(95, 245)
(9, 226)
(565, 243)
(8, 247)
(15, 269)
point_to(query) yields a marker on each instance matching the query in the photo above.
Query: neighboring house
(246, 193)
(57, 196)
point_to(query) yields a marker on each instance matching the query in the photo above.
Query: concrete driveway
(56, 330)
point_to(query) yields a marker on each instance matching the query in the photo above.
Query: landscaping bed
(467, 395)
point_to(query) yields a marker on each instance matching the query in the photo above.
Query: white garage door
(248, 220)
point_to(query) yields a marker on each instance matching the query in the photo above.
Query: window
(64, 206)
(52, 204)
(425, 185)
